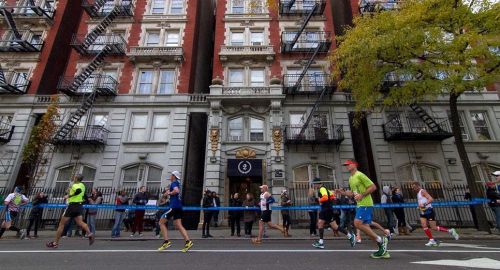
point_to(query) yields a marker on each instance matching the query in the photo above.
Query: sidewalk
(297, 234)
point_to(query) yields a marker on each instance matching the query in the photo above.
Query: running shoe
(385, 242)
(432, 243)
(23, 234)
(165, 245)
(189, 244)
(352, 239)
(378, 255)
(51, 244)
(91, 239)
(454, 233)
(317, 244)
(256, 241)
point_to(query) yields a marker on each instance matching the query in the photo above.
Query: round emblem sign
(244, 167)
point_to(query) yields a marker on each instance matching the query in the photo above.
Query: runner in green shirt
(73, 210)
(361, 189)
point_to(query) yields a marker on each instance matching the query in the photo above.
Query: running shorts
(10, 215)
(175, 213)
(327, 215)
(73, 210)
(266, 216)
(364, 213)
(428, 214)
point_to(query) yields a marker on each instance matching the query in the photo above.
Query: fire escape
(15, 40)
(309, 44)
(86, 84)
(6, 131)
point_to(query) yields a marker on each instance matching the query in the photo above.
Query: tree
(435, 48)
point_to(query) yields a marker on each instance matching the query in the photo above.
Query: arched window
(246, 128)
(482, 172)
(137, 175)
(427, 174)
(306, 173)
(65, 173)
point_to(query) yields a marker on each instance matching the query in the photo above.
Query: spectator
(207, 214)
(397, 197)
(285, 214)
(129, 218)
(94, 199)
(216, 200)
(36, 213)
(140, 199)
(494, 198)
(235, 216)
(313, 213)
(249, 215)
(121, 199)
(347, 215)
(162, 203)
(389, 212)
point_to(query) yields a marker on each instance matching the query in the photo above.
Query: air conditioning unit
(465, 136)
(256, 43)
(235, 138)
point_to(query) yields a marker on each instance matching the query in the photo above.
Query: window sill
(142, 143)
(245, 142)
(482, 142)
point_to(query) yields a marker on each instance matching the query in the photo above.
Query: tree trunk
(464, 158)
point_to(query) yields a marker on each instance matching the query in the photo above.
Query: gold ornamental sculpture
(214, 139)
(245, 153)
(277, 139)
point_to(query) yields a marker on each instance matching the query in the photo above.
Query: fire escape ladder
(12, 24)
(304, 24)
(96, 62)
(3, 80)
(310, 60)
(99, 30)
(98, 5)
(35, 9)
(290, 4)
(428, 120)
(65, 129)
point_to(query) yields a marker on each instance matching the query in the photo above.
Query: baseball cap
(177, 174)
(350, 162)
(263, 186)
(496, 173)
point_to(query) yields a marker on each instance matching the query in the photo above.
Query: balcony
(41, 9)
(246, 91)
(116, 42)
(254, 52)
(314, 134)
(309, 85)
(12, 82)
(27, 41)
(6, 131)
(101, 8)
(105, 85)
(301, 7)
(414, 129)
(307, 42)
(89, 135)
(372, 6)
(150, 53)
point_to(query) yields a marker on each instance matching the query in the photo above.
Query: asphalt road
(213, 254)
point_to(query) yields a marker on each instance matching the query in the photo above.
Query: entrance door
(245, 176)
(244, 185)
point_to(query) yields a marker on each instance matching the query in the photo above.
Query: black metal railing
(105, 85)
(309, 83)
(26, 43)
(314, 134)
(307, 42)
(414, 128)
(95, 9)
(15, 83)
(301, 7)
(371, 6)
(91, 134)
(116, 42)
(6, 131)
(42, 8)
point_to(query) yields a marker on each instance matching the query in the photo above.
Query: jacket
(37, 210)
(249, 216)
(207, 202)
(235, 203)
(493, 197)
(94, 200)
(285, 201)
(121, 200)
(398, 198)
(141, 198)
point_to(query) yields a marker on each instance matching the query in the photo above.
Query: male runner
(174, 212)
(362, 188)
(265, 201)
(13, 203)
(427, 215)
(327, 216)
(73, 210)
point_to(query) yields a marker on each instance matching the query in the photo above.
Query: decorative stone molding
(245, 153)
(214, 140)
(277, 139)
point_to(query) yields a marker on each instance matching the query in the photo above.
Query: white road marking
(467, 246)
(247, 251)
(483, 263)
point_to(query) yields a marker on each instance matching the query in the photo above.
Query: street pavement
(289, 254)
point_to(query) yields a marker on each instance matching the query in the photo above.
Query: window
(145, 82)
(158, 7)
(20, 79)
(172, 39)
(6, 118)
(99, 120)
(161, 81)
(237, 38)
(247, 6)
(138, 175)
(65, 174)
(306, 173)
(238, 6)
(256, 130)
(480, 122)
(36, 39)
(257, 77)
(427, 174)
(236, 129)
(236, 77)
(256, 38)
(482, 172)
(176, 6)
(5, 126)
(145, 127)
(153, 38)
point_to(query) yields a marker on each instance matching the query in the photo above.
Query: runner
(428, 217)
(73, 210)
(327, 215)
(13, 203)
(174, 212)
(265, 201)
(362, 188)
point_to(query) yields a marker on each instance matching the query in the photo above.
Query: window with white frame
(137, 175)
(481, 126)
(158, 6)
(307, 172)
(152, 38)
(176, 6)
(149, 127)
(254, 77)
(236, 77)
(424, 173)
(172, 38)
(20, 79)
(158, 81)
(257, 77)
(66, 173)
(482, 171)
(237, 38)
(256, 38)
(5, 123)
(256, 130)
(236, 129)
(246, 128)
(463, 128)
(247, 6)
(167, 7)
(237, 6)
(248, 37)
